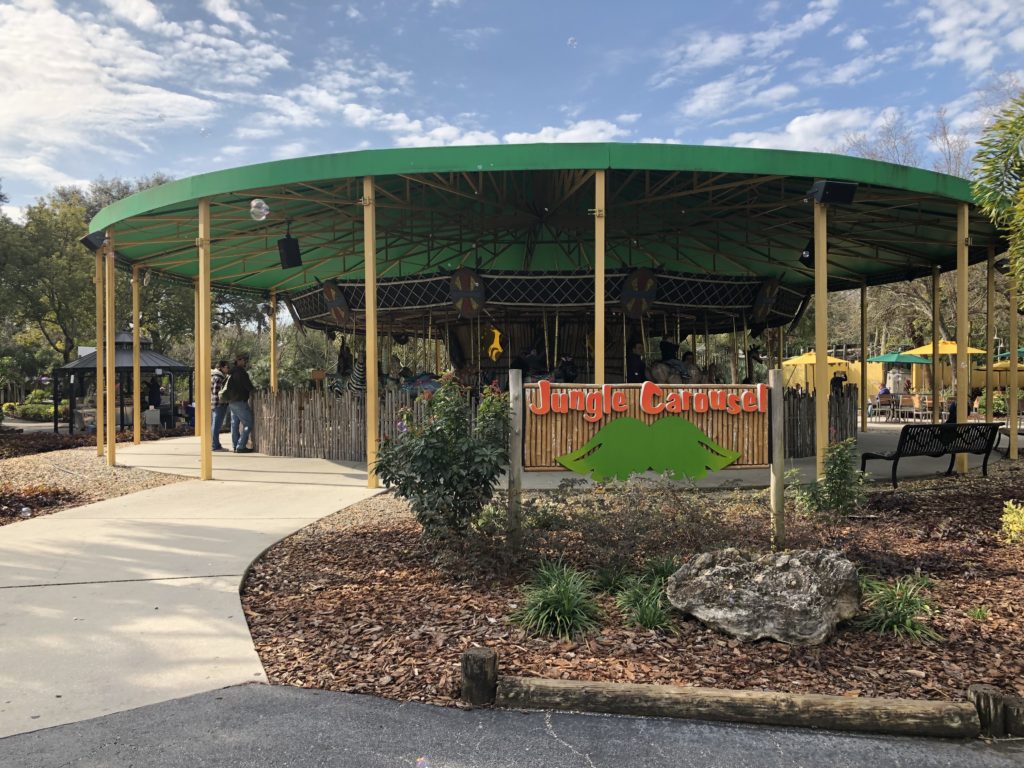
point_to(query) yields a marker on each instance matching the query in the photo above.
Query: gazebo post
(99, 349)
(936, 383)
(963, 373)
(273, 342)
(203, 342)
(990, 331)
(599, 255)
(372, 366)
(821, 385)
(71, 404)
(56, 401)
(111, 357)
(863, 356)
(198, 427)
(136, 372)
(1011, 389)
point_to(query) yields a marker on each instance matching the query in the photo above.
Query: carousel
(579, 262)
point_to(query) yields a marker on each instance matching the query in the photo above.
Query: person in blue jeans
(237, 392)
(218, 377)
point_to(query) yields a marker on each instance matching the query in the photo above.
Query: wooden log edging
(908, 717)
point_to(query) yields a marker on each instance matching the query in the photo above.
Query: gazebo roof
(148, 359)
(725, 216)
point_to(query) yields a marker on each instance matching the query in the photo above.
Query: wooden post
(479, 676)
(372, 366)
(936, 359)
(777, 413)
(989, 702)
(136, 370)
(198, 427)
(990, 332)
(273, 342)
(821, 386)
(205, 414)
(963, 371)
(599, 230)
(514, 527)
(111, 406)
(1012, 391)
(100, 359)
(864, 356)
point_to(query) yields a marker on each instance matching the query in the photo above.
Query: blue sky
(132, 87)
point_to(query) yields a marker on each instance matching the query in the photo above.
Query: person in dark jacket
(153, 394)
(636, 370)
(237, 392)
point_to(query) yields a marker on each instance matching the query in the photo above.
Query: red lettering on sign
(700, 402)
(648, 392)
(595, 406)
(734, 406)
(543, 404)
(620, 403)
(750, 401)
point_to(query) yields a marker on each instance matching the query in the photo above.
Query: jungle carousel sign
(615, 430)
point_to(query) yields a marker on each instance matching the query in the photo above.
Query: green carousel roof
(688, 211)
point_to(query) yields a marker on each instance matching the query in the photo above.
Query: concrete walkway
(134, 600)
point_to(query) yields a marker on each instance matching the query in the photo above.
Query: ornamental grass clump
(447, 464)
(900, 608)
(558, 602)
(643, 604)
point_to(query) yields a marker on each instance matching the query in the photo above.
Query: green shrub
(445, 467)
(643, 604)
(840, 491)
(559, 602)
(10, 408)
(37, 396)
(900, 608)
(998, 403)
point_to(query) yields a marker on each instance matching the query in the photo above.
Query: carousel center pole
(599, 234)
(372, 366)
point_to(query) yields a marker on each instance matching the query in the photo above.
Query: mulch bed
(34, 500)
(14, 444)
(372, 609)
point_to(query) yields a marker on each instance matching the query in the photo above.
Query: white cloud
(815, 132)
(15, 213)
(250, 133)
(819, 13)
(226, 12)
(699, 51)
(768, 9)
(857, 41)
(581, 131)
(859, 69)
(144, 15)
(284, 151)
(629, 118)
(435, 4)
(976, 34)
(740, 90)
(355, 14)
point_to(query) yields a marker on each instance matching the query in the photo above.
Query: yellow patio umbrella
(946, 347)
(808, 359)
(1004, 366)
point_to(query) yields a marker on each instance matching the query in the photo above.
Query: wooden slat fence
(800, 434)
(319, 424)
(554, 434)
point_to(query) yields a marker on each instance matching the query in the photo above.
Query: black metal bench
(939, 440)
(1006, 431)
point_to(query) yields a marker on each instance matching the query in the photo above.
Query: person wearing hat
(236, 393)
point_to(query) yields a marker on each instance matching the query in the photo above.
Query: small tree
(840, 491)
(448, 465)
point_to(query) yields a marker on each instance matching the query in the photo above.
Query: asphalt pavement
(260, 726)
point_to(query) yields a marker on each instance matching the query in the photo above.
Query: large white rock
(795, 597)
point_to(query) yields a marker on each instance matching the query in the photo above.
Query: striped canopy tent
(549, 233)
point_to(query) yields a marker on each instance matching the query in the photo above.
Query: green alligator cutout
(629, 446)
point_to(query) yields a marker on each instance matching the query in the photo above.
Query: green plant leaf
(628, 446)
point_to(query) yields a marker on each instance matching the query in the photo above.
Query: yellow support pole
(372, 365)
(821, 385)
(863, 356)
(990, 330)
(273, 342)
(1012, 391)
(599, 256)
(111, 357)
(963, 371)
(198, 426)
(136, 365)
(204, 416)
(936, 359)
(100, 359)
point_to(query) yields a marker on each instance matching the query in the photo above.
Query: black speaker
(839, 192)
(288, 248)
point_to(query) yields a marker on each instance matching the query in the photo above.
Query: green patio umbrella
(900, 357)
